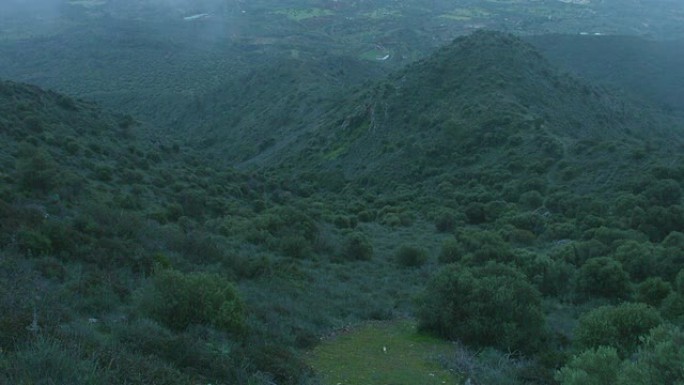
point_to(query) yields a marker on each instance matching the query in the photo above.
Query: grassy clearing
(375, 54)
(464, 14)
(382, 13)
(383, 353)
(303, 14)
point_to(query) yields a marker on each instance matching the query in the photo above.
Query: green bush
(452, 251)
(603, 277)
(637, 258)
(484, 245)
(33, 242)
(653, 291)
(672, 308)
(659, 360)
(357, 247)
(411, 256)
(47, 361)
(531, 199)
(36, 169)
(179, 300)
(492, 305)
(593, 367)
(619, 326)
(664, 193)
(445, 222)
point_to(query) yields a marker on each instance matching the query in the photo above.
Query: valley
(341, 192)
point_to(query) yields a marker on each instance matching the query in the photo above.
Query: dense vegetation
(531, 216)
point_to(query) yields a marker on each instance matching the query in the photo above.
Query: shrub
(637, 259)
(659, 361)
(411, 256)
(603, 277)
(492, 305)
(475, 213)
(653, 291)
(672, 308)
(46, 361)
(451, 251)
(445, 222)
(619, 326)
(484, 246)
(593, 367)
(531, 199)
(36, 169)
(357, 247)
(33, 243)
(665, 192)
(179, 300)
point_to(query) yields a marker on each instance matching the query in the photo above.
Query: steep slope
(269, 106)
(92, 215)
(487, 104)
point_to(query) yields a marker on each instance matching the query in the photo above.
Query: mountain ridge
(487, 96)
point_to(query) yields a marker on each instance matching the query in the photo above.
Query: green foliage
(658, 361)
(356, 247)
(551, 277)
(620, 327)
(603, 277)
(36, 170)
(653, 291)
(46, 359)
(179, 300)
(445, 221)
(451, 251)
(597, 366)
(411, 256)
(484, 245)
(637, 258)
(665, 192)
(672, 308)
(493, 305)
(34, 243)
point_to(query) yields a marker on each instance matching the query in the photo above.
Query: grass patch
(303, 14)
(375, 54)
(464, 14)
(382, 13)
(383, 353)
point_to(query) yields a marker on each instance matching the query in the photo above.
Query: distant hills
(646, 69)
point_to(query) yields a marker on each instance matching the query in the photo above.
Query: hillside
(478, 195)
(271, 105)
(486, 104)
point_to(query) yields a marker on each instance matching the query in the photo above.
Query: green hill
(486, 106)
